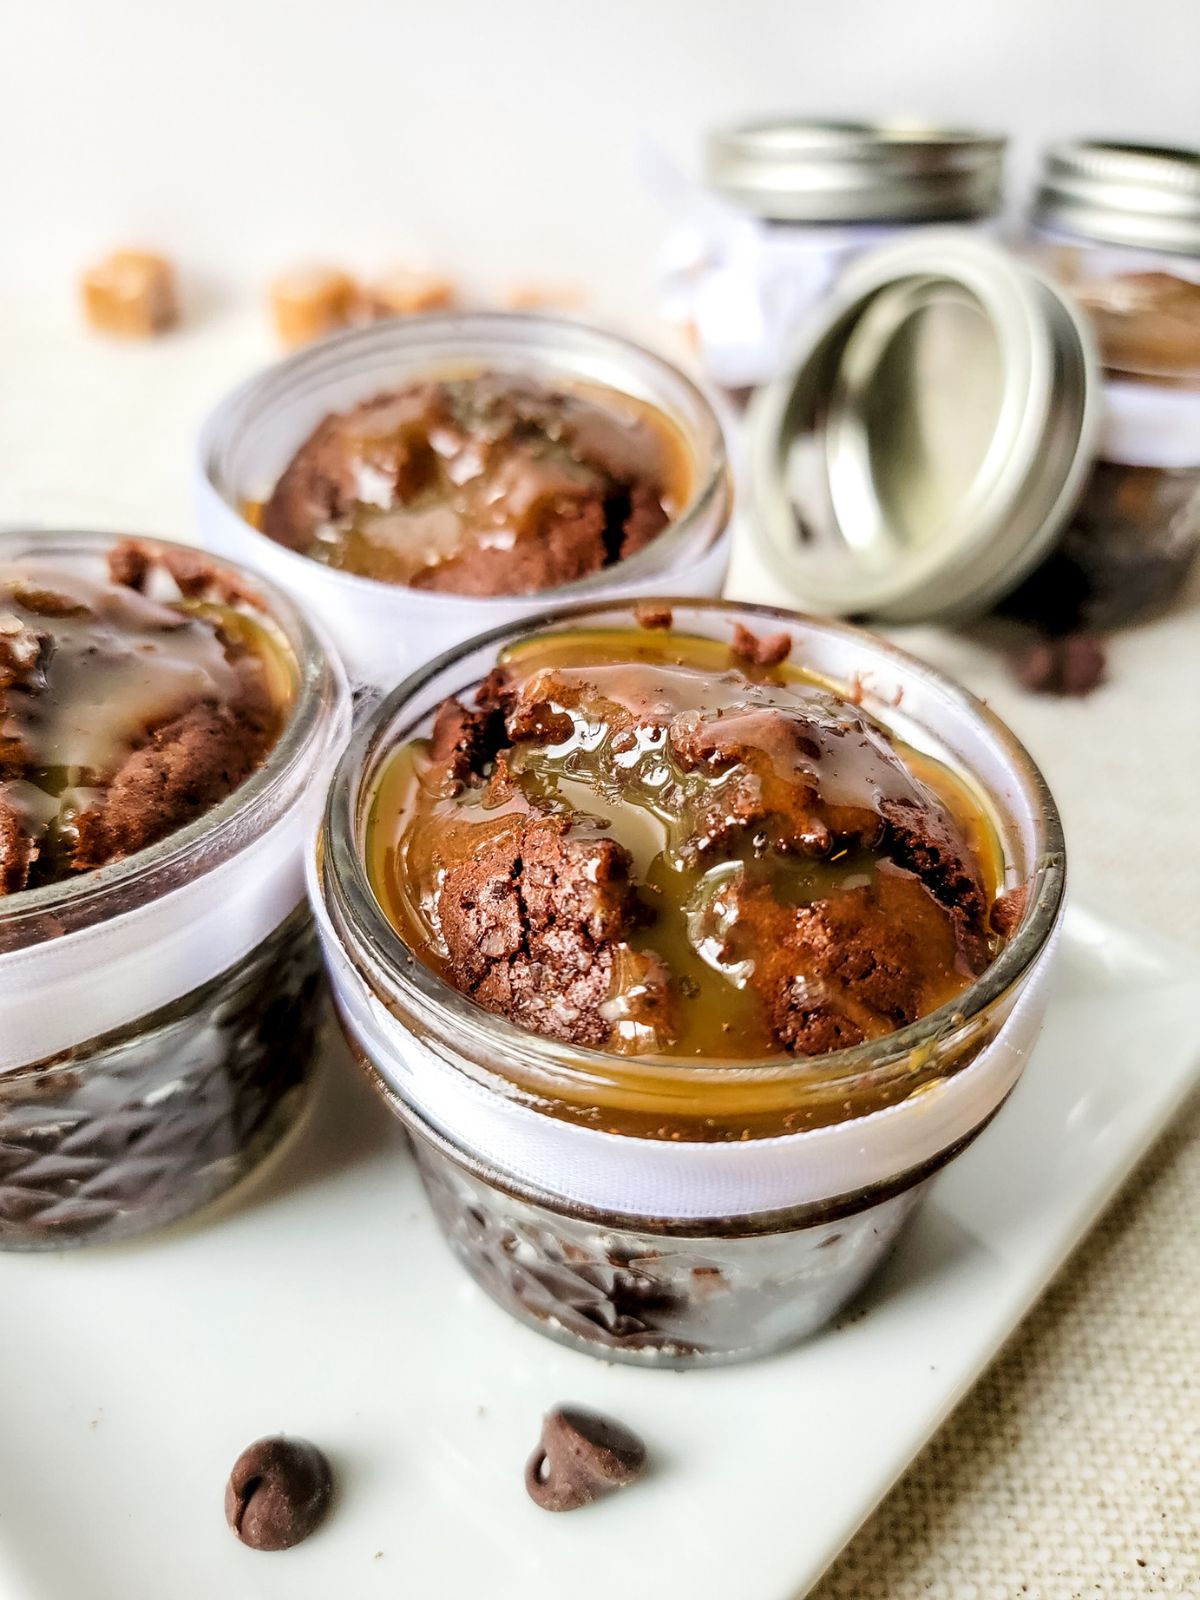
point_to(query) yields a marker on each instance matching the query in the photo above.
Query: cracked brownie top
(482, 485)
(650, 843)
(128, 708)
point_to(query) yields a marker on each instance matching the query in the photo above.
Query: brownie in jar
(481, 485)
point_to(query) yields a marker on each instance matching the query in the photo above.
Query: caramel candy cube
(403, 293)
(132, 294)
(543, 297)
(311, 302)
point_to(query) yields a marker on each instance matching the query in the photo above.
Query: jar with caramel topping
(1119, 225)
(787, 204)
(689, 940)
(420, 480)
(164, 722)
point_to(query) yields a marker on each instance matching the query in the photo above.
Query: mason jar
(383, 630)
(683, 1213)
(787, 204)
(158, 1015)
(1119, 225)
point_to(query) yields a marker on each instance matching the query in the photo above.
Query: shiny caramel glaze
(481, 484)
(123, 716)
(727, 874)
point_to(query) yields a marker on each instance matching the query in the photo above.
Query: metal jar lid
(793, 170)
(1126, 194)
(930, 435)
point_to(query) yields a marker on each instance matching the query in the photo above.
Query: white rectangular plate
(321, 1302)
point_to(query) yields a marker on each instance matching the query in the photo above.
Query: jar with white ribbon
(158, 1014)
(682, 1213)
(1119, 225)
(788, 203)
(384, 629)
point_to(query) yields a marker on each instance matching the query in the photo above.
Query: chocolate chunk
(1070, 666)
(846, 969)
(278, 1493)
(181, 771)
(463, 741)
(22, 649)
(1007, 910)
(580, 1457)
(129, 563)
(532, 923)
(18, 849)
(653, 614)
(760, 652)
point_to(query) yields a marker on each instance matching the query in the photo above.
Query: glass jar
(1119, 225)
(789, 203)
(384, 630)
(686, 1214)
(158, 1014)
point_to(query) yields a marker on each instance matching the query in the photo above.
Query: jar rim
(344, 883)
(517, 332)
(169, 859)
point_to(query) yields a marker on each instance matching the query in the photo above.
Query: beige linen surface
(1074, 1467)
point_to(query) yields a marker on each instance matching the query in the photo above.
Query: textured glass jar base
(143, 1127)
(657, 1298)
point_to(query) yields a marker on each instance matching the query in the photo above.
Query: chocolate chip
(278, 1493)
(760, 652)
(1072, 665)
(580, 1457)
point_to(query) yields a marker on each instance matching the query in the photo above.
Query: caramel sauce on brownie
(481, 485)
(124, 713)
(643, 842)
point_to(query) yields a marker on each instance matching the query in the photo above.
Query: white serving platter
(320, 1301)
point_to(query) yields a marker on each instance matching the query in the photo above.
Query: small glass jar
(682, 1214)
(789, 203)
(384, 630)
(158, 1015)
(1119, 225)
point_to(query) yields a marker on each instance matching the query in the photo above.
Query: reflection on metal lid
(929, 437)
(1124, 194)
(797, 170)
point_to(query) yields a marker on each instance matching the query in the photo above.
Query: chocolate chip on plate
(1071, 665)
(580, 1457)
(278, 1493)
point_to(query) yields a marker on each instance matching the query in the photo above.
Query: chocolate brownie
(650, 844)
(481, 485)
(124, 714)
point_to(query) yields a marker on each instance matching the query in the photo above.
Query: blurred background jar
(1119, 225)
(788, 203)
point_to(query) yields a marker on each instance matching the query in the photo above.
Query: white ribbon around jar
(677, 1179)
(744, 285)
(1146, 425)
(64, 992)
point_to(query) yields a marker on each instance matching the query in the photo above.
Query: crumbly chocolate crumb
(129, 563)
(532, 924)
(1007, 910)
(761, 651)
(18, 850)
(651, 614)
